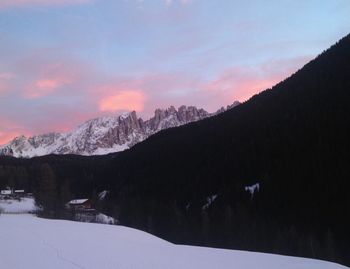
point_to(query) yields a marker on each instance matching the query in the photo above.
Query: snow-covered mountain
(105, 135)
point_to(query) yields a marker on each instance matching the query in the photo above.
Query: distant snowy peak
(106, 134)
(164, 119)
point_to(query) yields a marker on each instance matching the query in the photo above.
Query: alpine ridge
(106, 134)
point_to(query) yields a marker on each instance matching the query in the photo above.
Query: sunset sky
(66, 61)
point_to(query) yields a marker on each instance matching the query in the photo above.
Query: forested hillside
(187, 184)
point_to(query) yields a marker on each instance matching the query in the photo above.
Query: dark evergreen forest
(292, 139)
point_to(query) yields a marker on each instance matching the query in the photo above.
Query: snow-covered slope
(104, 135)
(31, 242)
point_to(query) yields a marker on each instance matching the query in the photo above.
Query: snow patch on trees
(252, 189)
(102, 195)
(210, 200)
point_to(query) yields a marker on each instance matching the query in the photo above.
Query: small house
(79, 204)
(6, 192)
(19, 193)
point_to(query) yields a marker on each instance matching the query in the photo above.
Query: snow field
(30, 242)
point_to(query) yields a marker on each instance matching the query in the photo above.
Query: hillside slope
(30, 242)
(291, 139)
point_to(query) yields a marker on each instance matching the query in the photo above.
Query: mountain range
(269, 175)
(106, 134)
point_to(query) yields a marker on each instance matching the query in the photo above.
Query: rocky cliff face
(105, 135)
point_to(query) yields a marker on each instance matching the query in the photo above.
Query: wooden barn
(79, 204)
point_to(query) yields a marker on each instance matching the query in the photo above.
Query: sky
(66, 61)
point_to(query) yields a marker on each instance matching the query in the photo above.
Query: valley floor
(29, 242)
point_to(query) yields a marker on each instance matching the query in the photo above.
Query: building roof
(6, 192)
(77, 201)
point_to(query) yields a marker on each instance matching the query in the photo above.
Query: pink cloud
(154, 90)
(240, 83)
(44, 87)
(2, 87)
(6, 75)
(46, 77)
(19, 3)
(47, 84)
(123, 100)
(4, 81)
(184, 2)
(6, 137)
(10, 130)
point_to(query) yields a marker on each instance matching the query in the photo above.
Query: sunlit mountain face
(106, 134)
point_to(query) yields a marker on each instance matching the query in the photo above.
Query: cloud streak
(28, 3)
(123, 100)
(5, 77)
(9, 130)
(44, 87)
(184, 2)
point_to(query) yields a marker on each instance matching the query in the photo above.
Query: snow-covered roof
(77, 201)
(6, 192)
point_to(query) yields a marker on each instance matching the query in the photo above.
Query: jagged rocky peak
(220, 110)
(234, 104)
(170, 117)
(189, 113)
(160, 114)
(131, 120)
(106, 134)
(6, 151)
(19, 139)
(223, 109)
(43, 139)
